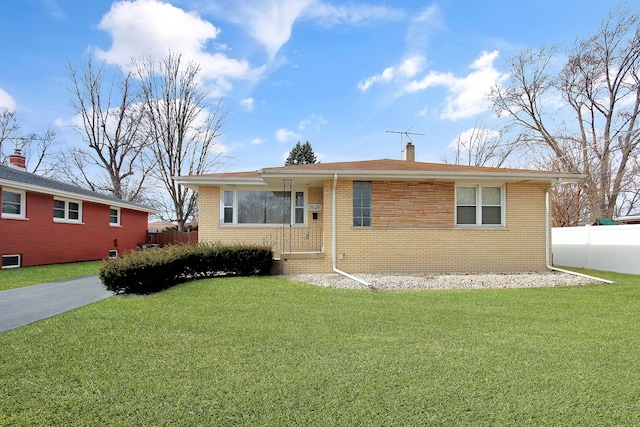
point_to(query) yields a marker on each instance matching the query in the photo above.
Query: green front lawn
(266, 351)
(11, 278)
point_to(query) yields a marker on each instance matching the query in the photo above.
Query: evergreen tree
(301, 154)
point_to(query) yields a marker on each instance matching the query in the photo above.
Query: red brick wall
(40, 240)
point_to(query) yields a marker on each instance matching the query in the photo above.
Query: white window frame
(119, 216)
(12, 255)
(23, 204)
(66, 218)
(479, 187)
(235, 207)
(113, 253)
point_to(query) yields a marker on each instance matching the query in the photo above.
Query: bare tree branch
(184, 128)
(595, 131)
(110, 123)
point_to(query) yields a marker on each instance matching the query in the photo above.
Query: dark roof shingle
(12, 174)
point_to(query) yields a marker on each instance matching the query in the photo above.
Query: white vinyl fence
(606, 247)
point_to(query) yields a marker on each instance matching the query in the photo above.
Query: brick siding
(413, 231)
(40, 240)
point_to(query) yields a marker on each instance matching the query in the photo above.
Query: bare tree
(594, 129)
(37, 148)
(184, 127)
(9, 126)
(480, 146)
(110, 123)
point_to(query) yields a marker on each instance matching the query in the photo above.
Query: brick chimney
(410, 152)
(17, 160)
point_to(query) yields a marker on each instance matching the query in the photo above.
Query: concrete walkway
(22, 306)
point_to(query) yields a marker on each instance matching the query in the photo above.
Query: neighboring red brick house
(44, 221)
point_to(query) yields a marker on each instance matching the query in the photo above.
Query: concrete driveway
(22, 306)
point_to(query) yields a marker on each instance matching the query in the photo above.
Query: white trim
(479, 205)
(413, 175)
(23, 204)
(235, 223)
(70, 195)
(118, 223)
(113, 253)
(66, 218)
(13, 255)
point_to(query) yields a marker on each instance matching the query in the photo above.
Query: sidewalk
(22, 306)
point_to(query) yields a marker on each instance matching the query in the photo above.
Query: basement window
(11, 261)
(113, 253)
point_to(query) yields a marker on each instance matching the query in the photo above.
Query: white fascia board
(193, 182)
(435, 175)
(73, 196)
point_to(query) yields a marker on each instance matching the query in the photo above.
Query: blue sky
(338, 74)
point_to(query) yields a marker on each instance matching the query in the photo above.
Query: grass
(11, 278)
(266, 351)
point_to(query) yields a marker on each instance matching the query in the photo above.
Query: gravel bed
(444, 281)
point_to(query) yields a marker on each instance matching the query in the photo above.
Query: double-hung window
(67, 210)
(114, 216)
(13, 204)
(260, 207)
(362, 203)
(480, 205)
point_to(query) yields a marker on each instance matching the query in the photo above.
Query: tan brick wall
(420, 244)
(520, 246)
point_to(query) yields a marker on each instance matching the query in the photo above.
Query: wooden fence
(174, 238)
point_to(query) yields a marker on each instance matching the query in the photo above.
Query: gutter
(425, 175)
(18, 185)
(548, 247)
(334, 241)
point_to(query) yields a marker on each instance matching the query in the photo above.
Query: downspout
(334, 240)
(548, 247)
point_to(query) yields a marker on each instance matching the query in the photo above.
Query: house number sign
(315, 207)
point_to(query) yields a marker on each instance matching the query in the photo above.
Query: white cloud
(352, 14)
(54, 9)
(247, 104)
(220, 149)
(421, 27)
(257, 141)
(151, 28)
(418, 32)
(286, 135)
(7, 101)
(467, 94)
(473, 138)
(315, 121)
(408, 68)
(270, 22)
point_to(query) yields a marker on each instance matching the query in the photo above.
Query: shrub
(149, 271)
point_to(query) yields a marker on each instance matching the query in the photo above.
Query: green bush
(150, 271)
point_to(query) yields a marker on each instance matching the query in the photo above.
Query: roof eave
(194, 182)
(72, 195)
(428, 175)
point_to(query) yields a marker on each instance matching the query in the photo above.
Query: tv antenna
(407, 133)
